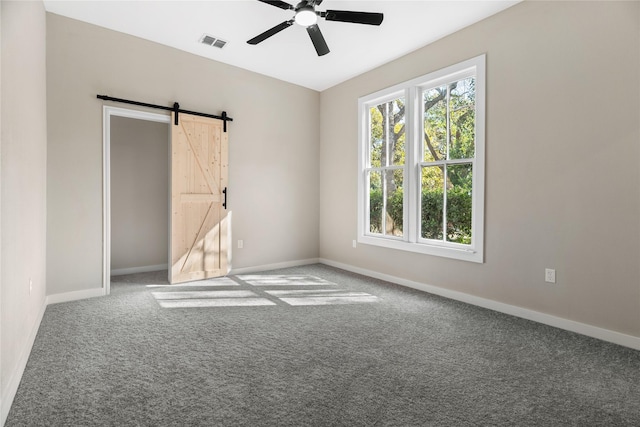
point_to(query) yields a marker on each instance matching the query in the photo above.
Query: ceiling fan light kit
(307, 16)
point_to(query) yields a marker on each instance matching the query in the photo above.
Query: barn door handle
(224, 205)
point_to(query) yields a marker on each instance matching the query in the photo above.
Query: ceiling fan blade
(270, 32)
(369, 18)
(318, 40)
(278, 3)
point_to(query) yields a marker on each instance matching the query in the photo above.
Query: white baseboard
(143, 269)
(75, 295)
(9, 393)
(524, 313)
(267, 267)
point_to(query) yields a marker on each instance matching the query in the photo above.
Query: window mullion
(445, 172)
(448, 120)
(383, 220)
(383, 175)
(367, 174)
(412, 190)
(387, 135)
(444, 203)
(366, 218)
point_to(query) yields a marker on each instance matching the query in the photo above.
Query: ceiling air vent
(212, 41)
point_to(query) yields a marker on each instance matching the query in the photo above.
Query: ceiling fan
(307, 16)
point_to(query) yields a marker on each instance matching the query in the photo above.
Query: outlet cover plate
(549, 275)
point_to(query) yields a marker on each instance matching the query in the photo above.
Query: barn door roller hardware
(176, 109)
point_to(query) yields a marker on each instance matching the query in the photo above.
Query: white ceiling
(289, 55)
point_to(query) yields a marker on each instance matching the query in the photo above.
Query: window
(421, 164)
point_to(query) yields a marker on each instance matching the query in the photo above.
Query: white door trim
(106, 180)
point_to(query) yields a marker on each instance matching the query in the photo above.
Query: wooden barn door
(199, 174)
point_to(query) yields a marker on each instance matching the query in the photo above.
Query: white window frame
(412, 92)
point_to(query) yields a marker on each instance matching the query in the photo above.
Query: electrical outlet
(355, 243)
(240, 244)
(549, 275)
(30, 285)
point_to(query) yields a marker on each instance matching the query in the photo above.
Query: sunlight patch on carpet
(260, 290)
(322, 297)
(284, 280)
(217, 282)
(195, 299)
(202, 294)
(215, 302)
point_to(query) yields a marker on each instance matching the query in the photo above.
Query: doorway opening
(136, 182)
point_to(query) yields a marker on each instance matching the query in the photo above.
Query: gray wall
(562, 168)
(139, 193)
(274, 140)
(23, 150)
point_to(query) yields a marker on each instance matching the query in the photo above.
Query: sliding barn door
(199, 174)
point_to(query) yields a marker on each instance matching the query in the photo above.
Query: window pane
(396, 132)
(395, 201)
(376, 137)
(462, 110)
(435, 124)
(459, 185)
(387, 133)
(375, 202)
(431, 213)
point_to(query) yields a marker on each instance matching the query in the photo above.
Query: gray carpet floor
(312, 346)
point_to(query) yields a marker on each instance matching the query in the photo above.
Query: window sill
(435, 250)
